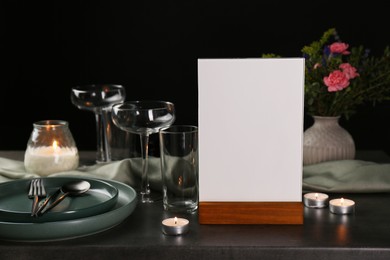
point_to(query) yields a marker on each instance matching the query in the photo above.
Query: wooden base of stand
(250, 213)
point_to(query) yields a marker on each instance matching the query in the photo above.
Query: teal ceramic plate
(15, 206)
(68, 229)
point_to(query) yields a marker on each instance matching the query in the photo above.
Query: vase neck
(326, 120)
(326, 117)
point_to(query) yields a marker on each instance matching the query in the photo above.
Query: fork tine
(34, 196)
(36, 187)
(31, 190)
(43, 191)
(39, 187)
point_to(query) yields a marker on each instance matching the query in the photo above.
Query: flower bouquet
(338, 79)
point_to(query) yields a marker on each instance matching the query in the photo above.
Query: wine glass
(99, 99)
(144, 118)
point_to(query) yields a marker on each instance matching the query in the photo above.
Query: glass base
(150, 197)
(146, 199)
(185, 206)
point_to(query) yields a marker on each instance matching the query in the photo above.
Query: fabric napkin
(350, 176)
(127, 171)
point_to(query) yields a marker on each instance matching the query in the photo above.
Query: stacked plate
(104, 205)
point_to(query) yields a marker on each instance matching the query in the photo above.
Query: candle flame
(55, 145)
(342, 201)
(175, 220)
(316, 195)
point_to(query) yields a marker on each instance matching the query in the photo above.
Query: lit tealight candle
(342, 206)
(175, 226)
(315, 200)
(45, 160)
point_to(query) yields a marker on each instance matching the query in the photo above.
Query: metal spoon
(69, 189)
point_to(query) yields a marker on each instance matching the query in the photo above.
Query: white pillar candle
(342, 206)
(46, 160)
(315, 200)
(175, 226)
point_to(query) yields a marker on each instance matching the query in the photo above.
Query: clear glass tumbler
(180, 168)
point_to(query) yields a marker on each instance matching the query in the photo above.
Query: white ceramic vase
(326, 140)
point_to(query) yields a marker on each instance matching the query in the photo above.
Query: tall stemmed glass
(143, 118)
(99, 99)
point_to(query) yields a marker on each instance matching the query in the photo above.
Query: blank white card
(250, 129)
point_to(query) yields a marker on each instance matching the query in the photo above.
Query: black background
(151, 47)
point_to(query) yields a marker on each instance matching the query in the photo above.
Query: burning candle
(51, 148)
(315, 200)
(175, 226)
(45, 160)
(342, 206)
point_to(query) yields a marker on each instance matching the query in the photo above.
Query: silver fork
(36, 191)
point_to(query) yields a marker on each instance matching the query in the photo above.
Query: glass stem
(103, 133)
(145, 189)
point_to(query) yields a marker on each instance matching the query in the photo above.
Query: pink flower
(349, 70)
(339, 47)
(336, 81)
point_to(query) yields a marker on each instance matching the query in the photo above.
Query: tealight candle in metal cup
(342, 206)
(175, 226)
(316, 200)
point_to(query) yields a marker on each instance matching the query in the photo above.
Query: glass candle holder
(51, 148)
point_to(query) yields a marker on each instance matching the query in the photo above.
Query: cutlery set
(93, 204)
(37, 191)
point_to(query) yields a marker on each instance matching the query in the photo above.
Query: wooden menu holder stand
(250, 140)
(250, 213)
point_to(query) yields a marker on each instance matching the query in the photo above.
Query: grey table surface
(323, 235)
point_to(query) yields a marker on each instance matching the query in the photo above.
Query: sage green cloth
(127, 171)
(349, 176)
